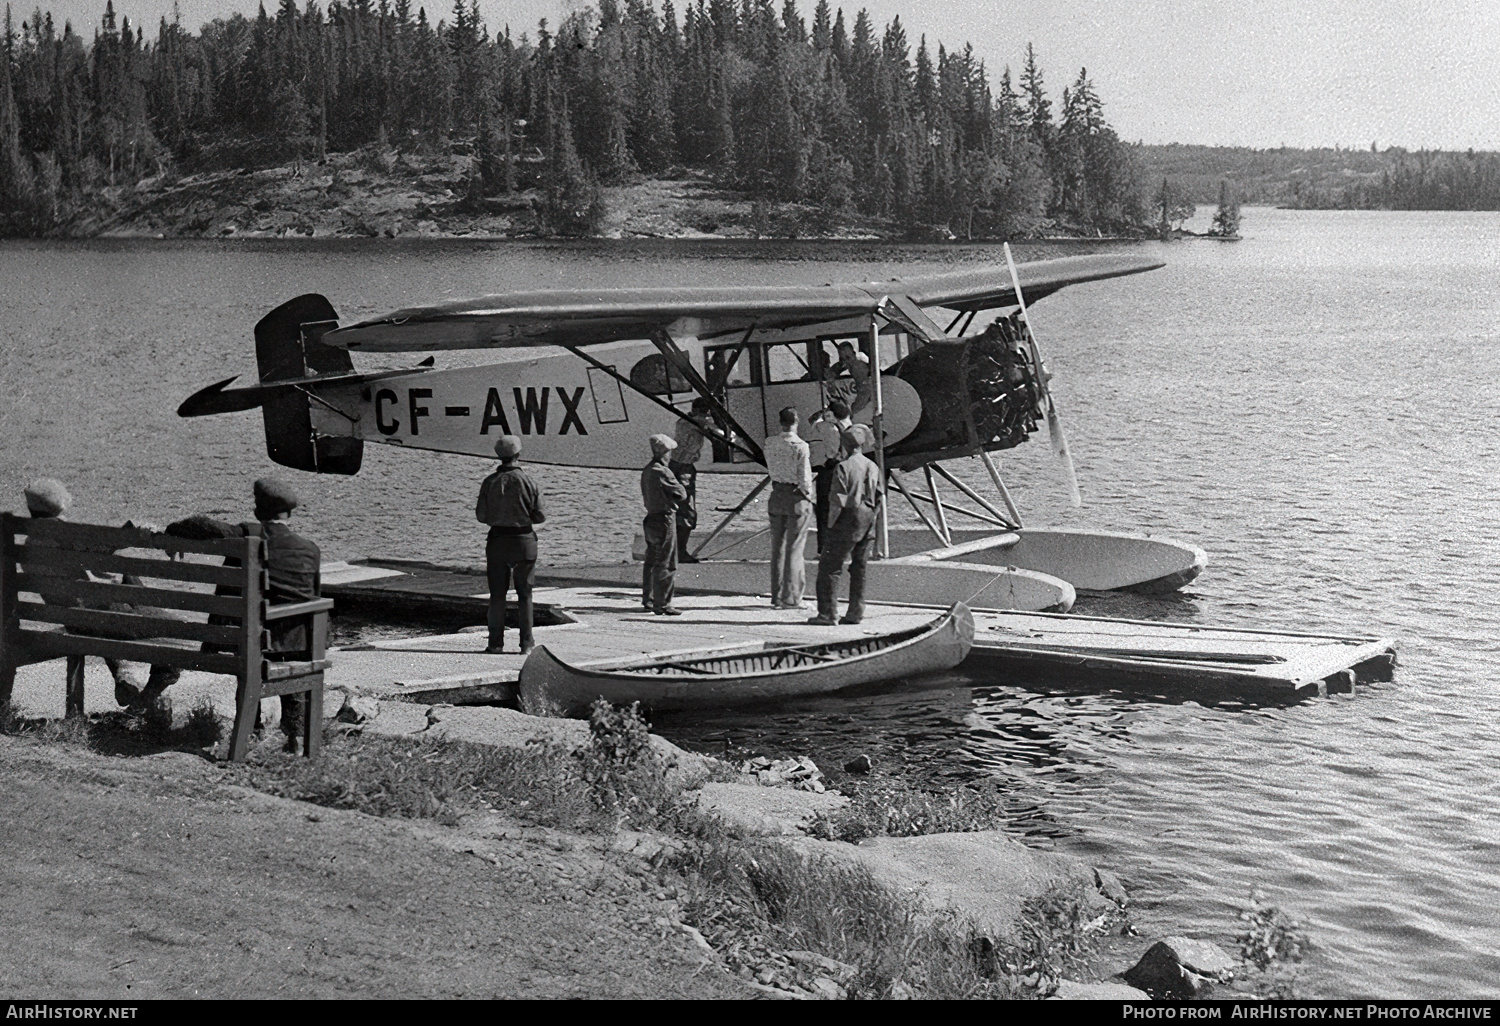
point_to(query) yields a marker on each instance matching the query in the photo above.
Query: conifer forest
(785, 107)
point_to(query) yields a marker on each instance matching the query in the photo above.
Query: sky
(1261, 73)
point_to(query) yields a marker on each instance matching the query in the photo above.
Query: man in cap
(294, 566)
(46, 498)
(510, 503)
(662, 493)
(829, 424)
(854, 499)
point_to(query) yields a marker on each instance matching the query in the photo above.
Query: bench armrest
(281, 612)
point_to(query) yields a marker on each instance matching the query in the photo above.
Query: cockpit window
(788, 363)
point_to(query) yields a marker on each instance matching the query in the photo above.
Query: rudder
(287, 346)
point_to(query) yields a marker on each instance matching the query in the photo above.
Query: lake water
(1314, 406)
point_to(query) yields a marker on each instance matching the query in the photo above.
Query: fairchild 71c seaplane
(599, 370)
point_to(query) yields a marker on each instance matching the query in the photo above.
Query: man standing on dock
(854, 499)
(790, 509)
(830, 424)
(662, 493)
(688, 435)
(511, 504)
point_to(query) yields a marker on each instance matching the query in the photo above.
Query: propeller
(1054, 422)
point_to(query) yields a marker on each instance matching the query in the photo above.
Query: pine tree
(822, 30)
(574, 204)
(1227, 217)
(1038, 107)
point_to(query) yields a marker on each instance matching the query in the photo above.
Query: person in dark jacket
(510, 503)
(294, 566)
(854, 499)
(688, 434)
(662, 493)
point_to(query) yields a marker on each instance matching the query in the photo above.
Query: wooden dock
(593, 621)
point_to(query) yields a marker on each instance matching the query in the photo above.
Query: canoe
(756, 672)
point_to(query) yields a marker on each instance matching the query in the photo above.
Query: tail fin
(287, 346)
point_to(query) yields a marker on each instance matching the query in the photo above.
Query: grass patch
(117, 733)
(891, 812)
(430, 779)
(617, 780)
(752, 900)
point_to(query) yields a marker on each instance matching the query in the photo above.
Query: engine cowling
(977, 392)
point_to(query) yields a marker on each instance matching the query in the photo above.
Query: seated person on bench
(293, 564)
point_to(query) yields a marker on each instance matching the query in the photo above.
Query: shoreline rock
(1180, 968)
(374, 193)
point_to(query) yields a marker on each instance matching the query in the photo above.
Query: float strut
(942, 535)
(937, 500)
(971, 493)
(728, 519)
(989, 465)
(997, 521)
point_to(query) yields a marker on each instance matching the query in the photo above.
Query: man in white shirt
(791, 509)
(858, 367)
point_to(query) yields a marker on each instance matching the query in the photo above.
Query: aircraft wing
(987, 288)
(591, 316)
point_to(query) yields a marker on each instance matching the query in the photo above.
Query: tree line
(835, 116)
(1393, 178)
(1425, 180)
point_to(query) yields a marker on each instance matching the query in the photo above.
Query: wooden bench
(51, 607)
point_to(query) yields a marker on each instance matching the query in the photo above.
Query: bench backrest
(49, 607)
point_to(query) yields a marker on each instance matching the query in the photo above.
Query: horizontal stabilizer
(218, 398)
(215, 399)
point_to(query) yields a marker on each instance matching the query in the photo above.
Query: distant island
(366, 118)
(1324, 179)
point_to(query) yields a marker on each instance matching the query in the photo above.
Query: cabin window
(729, 366)
(833, 361)
(788, 363)
(654, 375)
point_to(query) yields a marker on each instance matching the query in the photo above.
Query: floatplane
(591, 372)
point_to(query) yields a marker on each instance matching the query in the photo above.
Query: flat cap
(662, 444)
(508, 447)
(46, 497)
(273, 497)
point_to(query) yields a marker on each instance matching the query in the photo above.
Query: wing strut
(716, 432)
(675, 356)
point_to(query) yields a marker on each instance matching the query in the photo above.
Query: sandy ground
(154, 877)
